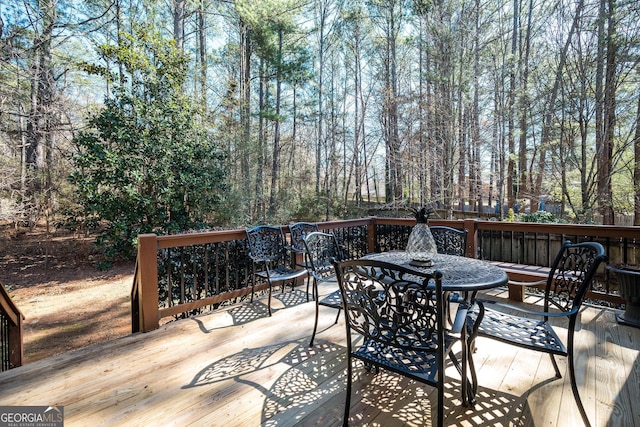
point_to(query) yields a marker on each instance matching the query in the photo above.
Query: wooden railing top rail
(454, 223)
(200, 238)
(8, 307)
(611, 231)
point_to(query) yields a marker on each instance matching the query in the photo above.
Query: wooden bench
(521, 276)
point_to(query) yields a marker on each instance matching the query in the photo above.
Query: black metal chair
(271, 258)
(321, 249)
(399, 316)
(298, 232)
(568, 281)
(449, 241)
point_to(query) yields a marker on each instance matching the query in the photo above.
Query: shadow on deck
(240, 367)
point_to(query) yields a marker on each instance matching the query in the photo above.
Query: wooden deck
(238, 367)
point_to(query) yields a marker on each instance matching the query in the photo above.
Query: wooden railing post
(16, 347)
(372, 235)
(471, 225)
(148, 282)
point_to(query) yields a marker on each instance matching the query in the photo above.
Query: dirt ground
(67, 302)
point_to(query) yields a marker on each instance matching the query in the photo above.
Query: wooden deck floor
(238, 367)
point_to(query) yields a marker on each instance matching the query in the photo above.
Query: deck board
(238, 367)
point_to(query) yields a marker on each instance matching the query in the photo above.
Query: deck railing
(11, 331)
(181, 275)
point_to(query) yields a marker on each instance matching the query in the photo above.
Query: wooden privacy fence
(182, 275)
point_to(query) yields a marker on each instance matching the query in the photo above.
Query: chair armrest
(293, 249)
(259, 260)
(527, 311)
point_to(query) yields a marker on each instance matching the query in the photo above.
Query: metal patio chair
(322, 248)
(398, 317)
(298, 232)
(449, 241)
(271, 258)
(568, 281)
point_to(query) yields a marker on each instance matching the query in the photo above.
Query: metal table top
(458, 273)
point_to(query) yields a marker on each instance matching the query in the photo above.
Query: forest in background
(165, 116)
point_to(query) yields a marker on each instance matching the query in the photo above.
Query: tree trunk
(600, 135)
(422, 144)
(178, 23)
(512, 192)
(202, 52)
(394, 162)
(475, 112)
(319, 142)
(245, 111)
(463, 147)
(522, 111)
(609, 119)
(276, 138)
(636, 167)
(261, 139)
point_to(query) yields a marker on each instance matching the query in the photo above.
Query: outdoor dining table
(459, 274)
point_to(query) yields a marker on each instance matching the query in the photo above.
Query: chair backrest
(266, 243)
(321, 249)
(571, 274)
(392, 305)
(299, 231)
(449, 241)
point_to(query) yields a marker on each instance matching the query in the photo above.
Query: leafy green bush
(144, 164)
(539, 216)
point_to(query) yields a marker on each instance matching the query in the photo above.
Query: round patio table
(459, 274)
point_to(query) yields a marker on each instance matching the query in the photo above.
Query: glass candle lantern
(421, 246)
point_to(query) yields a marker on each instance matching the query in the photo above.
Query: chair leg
(572, 377)
(337, 316)
(576, 393)
(269, 299)
(315, 324)
(347, 403)
(555, 366)
(440, 404)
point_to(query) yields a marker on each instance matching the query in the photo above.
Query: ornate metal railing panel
(391, 237)
(353, 239)
(193, 273)
(4, 342)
